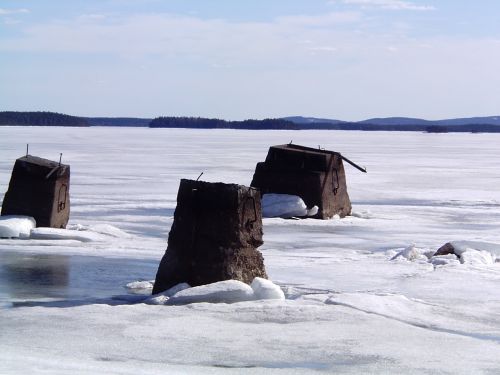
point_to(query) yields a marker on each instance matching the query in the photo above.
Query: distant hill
(395, 121)
(40, 119)
(489, 124)
(490, 120)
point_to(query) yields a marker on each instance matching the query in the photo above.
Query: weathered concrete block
(317, 176)
(216, 231)
(39, 188)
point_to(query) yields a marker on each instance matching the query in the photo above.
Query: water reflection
(25, 276)
(32, 277)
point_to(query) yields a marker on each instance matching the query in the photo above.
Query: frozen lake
(353, 304)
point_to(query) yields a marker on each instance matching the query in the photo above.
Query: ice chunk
(65, 234)
(227, 291)
(313, 211)
(285, 206)
(411, 253)
(476, 257)
(163, 297)
(135, 285)
(461, 247)
(266, 289)
(443, 260)
(13, 226)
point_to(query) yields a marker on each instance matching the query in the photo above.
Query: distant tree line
(40, 119)
(211, 123)
(118, 121)
(59, 119)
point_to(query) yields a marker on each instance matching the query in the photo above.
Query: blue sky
(236, 59)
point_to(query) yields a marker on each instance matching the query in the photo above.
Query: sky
(240, 59)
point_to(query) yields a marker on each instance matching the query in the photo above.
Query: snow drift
(285, 206)
(13, 226)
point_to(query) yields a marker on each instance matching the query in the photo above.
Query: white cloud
(388, 4)
(4, 11)
(92, 17)
(329, 19)
(323, 49)
(215, 67)
(217, 42)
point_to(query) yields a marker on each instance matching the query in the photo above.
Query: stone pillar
(216, 231)
(39, 188)
(317, 176)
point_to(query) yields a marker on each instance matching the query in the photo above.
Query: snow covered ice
(364, 294)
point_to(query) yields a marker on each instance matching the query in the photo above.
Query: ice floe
(140, 285)
(65, 234)
(25, 227)
(13, 226)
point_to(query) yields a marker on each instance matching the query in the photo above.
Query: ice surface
(12, 226)
(349, 308)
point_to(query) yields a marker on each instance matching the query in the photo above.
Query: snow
(266, 289)
(348, 309)
(12, 226)
(465, 252)
(228, 291)
(162, 298)
(285, 206)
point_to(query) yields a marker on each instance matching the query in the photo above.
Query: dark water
(41, 277)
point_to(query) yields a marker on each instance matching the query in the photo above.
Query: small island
(40, 119)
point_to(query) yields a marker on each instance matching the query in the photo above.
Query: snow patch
(14, 226)
(285, 206)
(364, 214)
(266, 289)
